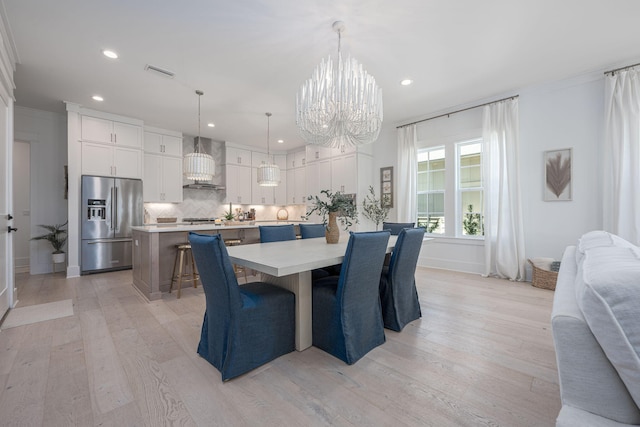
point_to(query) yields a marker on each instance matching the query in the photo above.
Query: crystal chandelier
(268, 173)
(198, 166)
(340, 105)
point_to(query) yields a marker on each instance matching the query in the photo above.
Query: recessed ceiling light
(211, 125)
(281, 141)
(406, 82)
(110, 54)
(97, 98)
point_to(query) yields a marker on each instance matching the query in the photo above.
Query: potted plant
(335, 206)
(373, 209)
(57, 236)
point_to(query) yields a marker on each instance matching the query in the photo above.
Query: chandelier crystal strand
(198, 166)
(340, 105)
(268, 173)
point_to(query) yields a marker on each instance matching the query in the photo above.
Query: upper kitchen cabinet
(106, 160)
(297, 159)
(104, 131)
(160, 142)
(316, 153)
(237, 156)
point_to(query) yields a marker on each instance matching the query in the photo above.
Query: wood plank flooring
(482, 355)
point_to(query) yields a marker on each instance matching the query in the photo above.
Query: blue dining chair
(347, 319)
(244, 326)
(398, 293)
(311, 231)
(396, 227)
(276, 233)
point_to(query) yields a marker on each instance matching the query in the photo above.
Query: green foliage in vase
(336, 202)
(472, 223)
(57, 236)
(374, 209)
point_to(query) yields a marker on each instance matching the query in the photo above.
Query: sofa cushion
(598, 238)
(608, 294)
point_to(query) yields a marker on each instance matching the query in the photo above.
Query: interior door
(6, 195)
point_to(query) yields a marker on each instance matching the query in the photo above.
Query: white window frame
(430, 149)
(452, 192)
(460, 209)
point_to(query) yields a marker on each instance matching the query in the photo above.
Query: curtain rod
(621, 68)
(458, 111)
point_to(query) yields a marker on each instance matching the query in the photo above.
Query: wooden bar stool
(184, 259)
(237, 268)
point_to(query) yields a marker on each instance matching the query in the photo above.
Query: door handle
(10, 229)
(9, 217)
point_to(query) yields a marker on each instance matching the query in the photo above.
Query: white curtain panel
(407, 174)
(503, 225)
(622, 153)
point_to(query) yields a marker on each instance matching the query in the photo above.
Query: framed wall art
(557, 175)
(386, 186)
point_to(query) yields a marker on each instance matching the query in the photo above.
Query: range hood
(203, 185)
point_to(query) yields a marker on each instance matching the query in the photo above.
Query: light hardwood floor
(482, 354)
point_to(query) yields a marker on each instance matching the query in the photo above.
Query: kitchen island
(154, 249)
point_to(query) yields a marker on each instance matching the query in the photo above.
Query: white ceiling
(251, 56)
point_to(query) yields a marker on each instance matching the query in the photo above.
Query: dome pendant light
(198, 166)
(268, 173)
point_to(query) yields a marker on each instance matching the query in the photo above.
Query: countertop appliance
(110, 206)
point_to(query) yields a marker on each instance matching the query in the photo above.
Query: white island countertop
(185, 226)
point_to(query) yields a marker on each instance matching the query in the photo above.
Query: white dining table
(289, 264)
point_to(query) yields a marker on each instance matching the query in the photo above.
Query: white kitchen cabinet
(167, 145)
(344, 174)
(317, 152)
(105, 131)
(318, 177)
(237, 156)
(162, 178)
(110, 160)
(300, 186)
(238, 183)
(258, 158)
(296, 159)
(260, 195)
(280, 192)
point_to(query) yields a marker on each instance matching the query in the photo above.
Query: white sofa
(596, 332)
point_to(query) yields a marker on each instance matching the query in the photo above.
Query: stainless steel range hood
(203, 185)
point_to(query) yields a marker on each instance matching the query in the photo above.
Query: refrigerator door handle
(116, 222)
(95, 242)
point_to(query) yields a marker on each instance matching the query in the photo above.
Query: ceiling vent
(161, 71)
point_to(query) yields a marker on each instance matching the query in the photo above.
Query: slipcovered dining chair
(244, 326)
(398, 294)
(396, 227)
(311, 231)
(347, 319)
(276, 233)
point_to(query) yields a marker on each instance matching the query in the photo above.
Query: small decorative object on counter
(283, 215)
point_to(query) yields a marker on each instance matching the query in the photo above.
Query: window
(470, 188)
(450, 192)
(431, 189)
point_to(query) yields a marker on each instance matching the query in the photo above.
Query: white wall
(21, 206)
(47, 135)
(562, 114)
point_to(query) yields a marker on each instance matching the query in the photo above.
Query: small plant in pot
(337, 206)
(57, 236)
(374, 209)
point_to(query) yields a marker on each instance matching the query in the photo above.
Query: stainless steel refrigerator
(110, 206)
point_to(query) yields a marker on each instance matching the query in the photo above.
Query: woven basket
(544, 279)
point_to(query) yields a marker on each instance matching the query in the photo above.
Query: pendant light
(198, 166)
(341, 104)
(268, 173)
